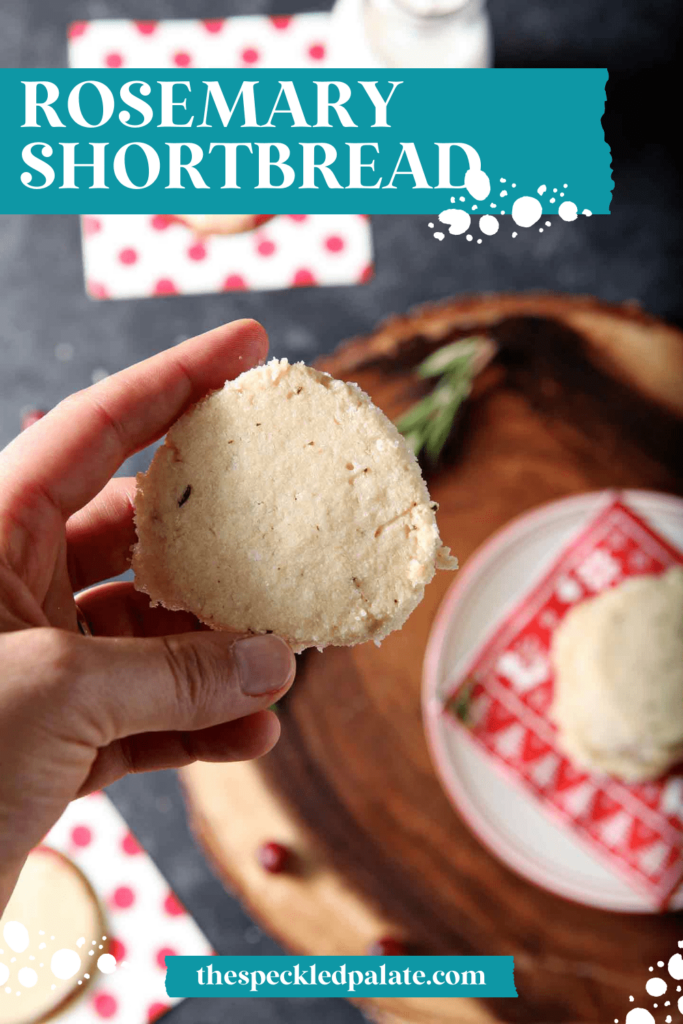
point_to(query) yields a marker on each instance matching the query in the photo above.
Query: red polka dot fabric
(145, 920)
(156, 256)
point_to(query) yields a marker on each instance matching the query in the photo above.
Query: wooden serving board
(583, 396)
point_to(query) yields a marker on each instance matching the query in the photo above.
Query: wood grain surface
(562, 411)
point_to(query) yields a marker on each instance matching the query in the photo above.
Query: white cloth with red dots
(145, 921)
(137, 256)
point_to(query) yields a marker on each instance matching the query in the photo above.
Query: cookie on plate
(618, 660)
(287, 503)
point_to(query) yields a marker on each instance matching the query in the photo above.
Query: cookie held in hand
(287, 503)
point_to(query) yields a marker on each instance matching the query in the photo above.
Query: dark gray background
(633, 254)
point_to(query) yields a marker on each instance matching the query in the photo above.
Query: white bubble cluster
(65, 963)
(526, 210)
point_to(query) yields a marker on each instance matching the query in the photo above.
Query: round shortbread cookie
(222, 223)
(287, 503)
(49, 925)
(618, 661)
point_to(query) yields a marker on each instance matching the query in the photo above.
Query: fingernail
(265, 664)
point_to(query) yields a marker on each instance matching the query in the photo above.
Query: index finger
(66, 458)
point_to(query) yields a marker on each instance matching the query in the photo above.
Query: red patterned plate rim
(536, 869)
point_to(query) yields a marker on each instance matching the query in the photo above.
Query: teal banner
(300, 141)
(254, 977)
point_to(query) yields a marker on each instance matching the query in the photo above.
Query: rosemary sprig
(461, 704)
(427, 425)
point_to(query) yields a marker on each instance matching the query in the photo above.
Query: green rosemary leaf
(460, 705)
(449, 357)
(416, 415)
(429, 422)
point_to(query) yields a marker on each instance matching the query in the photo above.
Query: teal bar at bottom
(253, 977)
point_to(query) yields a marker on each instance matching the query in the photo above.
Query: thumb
(185, 682)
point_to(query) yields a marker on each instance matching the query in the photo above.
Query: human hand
(151, 688)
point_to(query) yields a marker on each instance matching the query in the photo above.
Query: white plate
(506, 819)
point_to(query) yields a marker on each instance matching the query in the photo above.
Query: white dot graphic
(514, 234)
(526, 211)
(639, 1016)
(587, 213)
(16, 936)
(477, 183)
(503, 193)
(4, 973)
(27, 977)
(479, 241)
(660, 963)
(458, 221)
(676, 966)
(439, 235)
(65, 963)
(680, 1005)
(488, 224)
(80, 943)
(106, 963)
(655, 987)
(568, 211)
(469, 238)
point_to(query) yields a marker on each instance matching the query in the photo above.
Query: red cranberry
(274, 857)
(31, 417)
(387, 946)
